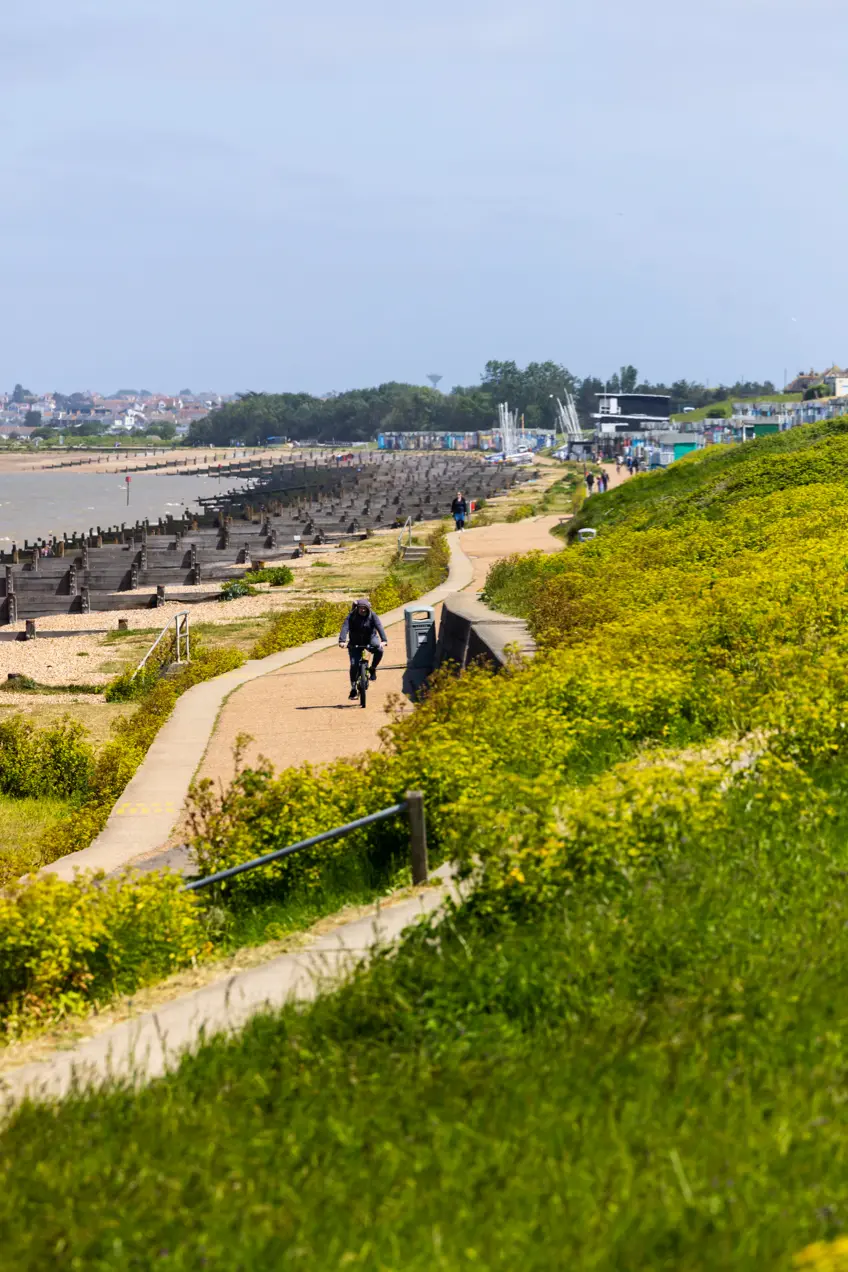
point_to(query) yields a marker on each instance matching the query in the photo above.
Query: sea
(36, 505)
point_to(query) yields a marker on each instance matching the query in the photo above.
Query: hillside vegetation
(629, 1047)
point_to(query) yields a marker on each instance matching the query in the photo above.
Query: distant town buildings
(125, 413)
(834, 379)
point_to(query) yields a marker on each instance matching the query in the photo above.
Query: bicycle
(363, 675)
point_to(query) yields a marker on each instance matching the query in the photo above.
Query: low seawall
(471, 632)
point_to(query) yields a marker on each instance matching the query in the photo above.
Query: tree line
(357, 415)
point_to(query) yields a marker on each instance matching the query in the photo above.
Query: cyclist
(362, 629)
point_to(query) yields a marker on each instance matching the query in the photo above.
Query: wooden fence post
(417, 835)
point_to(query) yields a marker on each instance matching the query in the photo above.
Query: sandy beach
(120, 460)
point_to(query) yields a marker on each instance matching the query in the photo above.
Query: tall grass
(651, 1073)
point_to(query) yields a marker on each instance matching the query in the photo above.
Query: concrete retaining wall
(470, 631)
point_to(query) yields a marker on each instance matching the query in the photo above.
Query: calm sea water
(36, 505)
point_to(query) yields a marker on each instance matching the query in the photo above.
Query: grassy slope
(712, 479)
(650, 1075)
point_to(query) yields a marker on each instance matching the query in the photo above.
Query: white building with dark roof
(632, 414)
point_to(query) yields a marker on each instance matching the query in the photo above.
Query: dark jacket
(362, 629)
(459, 508)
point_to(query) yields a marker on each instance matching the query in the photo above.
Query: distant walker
(459, 510)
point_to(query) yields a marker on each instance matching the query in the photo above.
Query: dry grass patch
(95, 715)
(24, 821)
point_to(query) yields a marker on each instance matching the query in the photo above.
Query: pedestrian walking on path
(459, 510)
(590, 482)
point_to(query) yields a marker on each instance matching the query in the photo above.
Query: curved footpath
(144, 1045)
(147, 814)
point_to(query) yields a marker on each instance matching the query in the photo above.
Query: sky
(257, 194)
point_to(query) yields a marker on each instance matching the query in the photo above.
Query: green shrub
(236, 588)
(299, 626)
(65, 947)
(132, 685)
(261, 812)
(578, 498)
(55, 761)
(118, 760)
(520, 512)
(21, 684)
(276, 575)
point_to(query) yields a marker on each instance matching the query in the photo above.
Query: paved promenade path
(295, 705)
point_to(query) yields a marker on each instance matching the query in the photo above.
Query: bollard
(123, 624)
(417, 836)
(30, 629)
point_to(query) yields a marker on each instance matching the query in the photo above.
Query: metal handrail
(407, 526)
(413, 806)
(181, 629)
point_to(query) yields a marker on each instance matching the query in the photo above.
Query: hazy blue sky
(242, 194)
